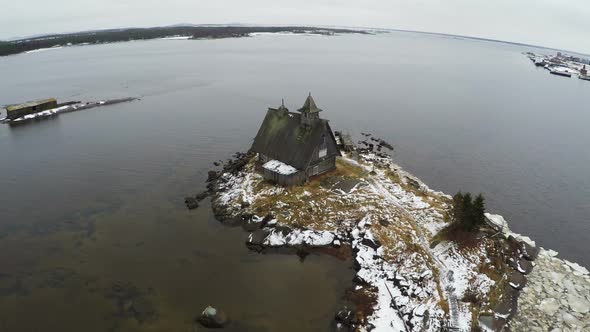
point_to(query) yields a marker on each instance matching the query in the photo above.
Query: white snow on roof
(280, 167)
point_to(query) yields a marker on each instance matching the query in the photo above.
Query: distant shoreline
(265, 28)
(54, 41)
(486, 40)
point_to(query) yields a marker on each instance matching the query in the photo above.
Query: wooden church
(294, 146)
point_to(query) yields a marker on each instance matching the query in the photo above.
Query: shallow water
(93, 199)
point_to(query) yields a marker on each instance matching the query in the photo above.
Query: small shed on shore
(17, 111)
(292, 147)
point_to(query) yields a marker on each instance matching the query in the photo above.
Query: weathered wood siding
(284, 180)
(17, 113)
(321, 166)
(327, 143)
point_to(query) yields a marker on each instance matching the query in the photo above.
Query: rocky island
(414, 272)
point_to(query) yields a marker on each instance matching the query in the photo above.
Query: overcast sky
(555, 23)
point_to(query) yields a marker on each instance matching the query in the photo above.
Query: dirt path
(445, 276)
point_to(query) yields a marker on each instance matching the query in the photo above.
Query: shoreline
(561, 65)
(389, 294)
(59, 41)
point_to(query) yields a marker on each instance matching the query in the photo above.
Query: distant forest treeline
(119, 35)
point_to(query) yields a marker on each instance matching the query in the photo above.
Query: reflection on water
(93, 234)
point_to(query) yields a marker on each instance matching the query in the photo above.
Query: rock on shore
(556, 297)
(213, 318)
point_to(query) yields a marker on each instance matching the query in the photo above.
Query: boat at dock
(584, 77)
(539, 62)
(560, 72)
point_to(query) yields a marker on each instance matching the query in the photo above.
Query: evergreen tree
(467, 221)
(458, 208)
(468, 213)
(478, 211)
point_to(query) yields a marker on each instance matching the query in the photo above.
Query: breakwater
(67, 107)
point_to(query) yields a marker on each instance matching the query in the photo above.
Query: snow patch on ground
(299, 238)
(42, 114)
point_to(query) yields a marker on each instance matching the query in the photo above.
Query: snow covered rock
(213, 318)
(549, 306)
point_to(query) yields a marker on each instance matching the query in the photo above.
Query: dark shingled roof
(309, 106)
(282, 137)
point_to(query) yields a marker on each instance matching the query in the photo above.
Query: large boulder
(284, 230)
(201, 196)
(256, 239)
(268, 221)
(191, 203)
(385, 144)
(250, 225)
(512, 246)
(358, 280)
(506, 306)
(521, 265)
(345, 317)
(250, 222)
(517, 280)
(372, 243)
(212, 176)
(213, 318)
(529, 252)
(491, 323)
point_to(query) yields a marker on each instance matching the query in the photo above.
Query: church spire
(282, 107)
(309, 106)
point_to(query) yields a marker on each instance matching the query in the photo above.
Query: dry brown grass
(393, 176)
(464, 239)
(441, 302)
(497, 270)
(310, 204)
(474, 316)
(396, 178)
(398, 238)
(496, 292)
(344, 168)
(439, 203)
